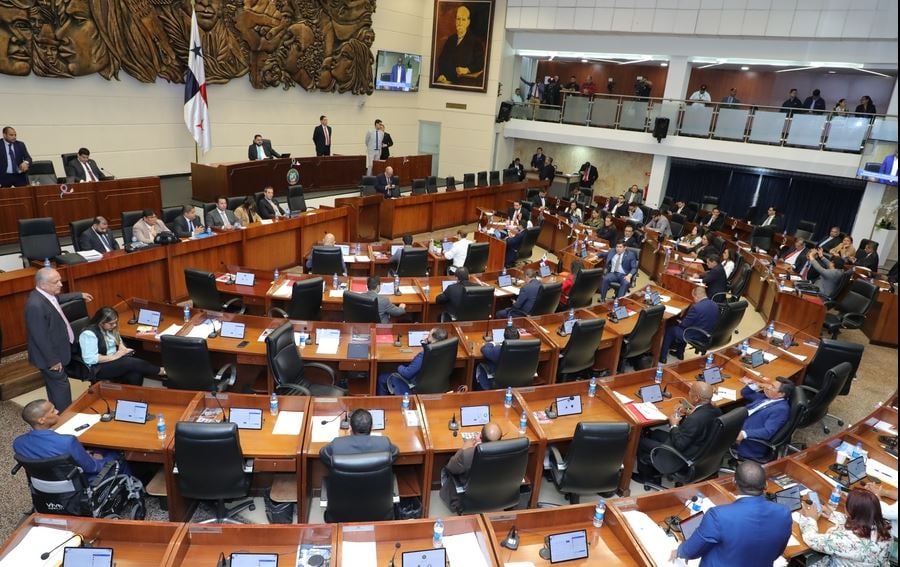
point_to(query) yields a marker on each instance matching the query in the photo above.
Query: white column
(866, 217)
(677, 78)
(892, 105)
(659, 178)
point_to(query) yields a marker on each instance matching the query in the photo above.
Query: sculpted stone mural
(321, 45)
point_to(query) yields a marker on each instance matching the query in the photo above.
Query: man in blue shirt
(42, 442)
(768, 409)
(409, 372)
(622, 267)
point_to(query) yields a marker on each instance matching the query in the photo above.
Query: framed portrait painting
(461, 44)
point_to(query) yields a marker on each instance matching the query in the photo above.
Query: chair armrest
(829, 303)
(724, 294)
(460, 488)
(277, 311)
(402, 379)
(232, 302)
(395, 492)
(223, 382)
(771, 450)
(668, 460)
(323, 367)
(16, 468)
(292, 390)
(556, 457)
(102, 476)
(323, 496)
(853, 320)
(808, 389)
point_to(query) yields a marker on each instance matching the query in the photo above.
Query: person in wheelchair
(484, 372)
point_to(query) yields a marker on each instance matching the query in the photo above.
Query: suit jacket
(538, 161)
(608, 234)
(381, 183)
(636, 198)
(319, 140)
(629, 262)
(388, 142)
(703, 314)
(253, 153)
(867, 260)
(715, 224)
(619, 210)
(76, 170)
(799, 262)
(777, 223)
(520, 170)
(46, 443)
(90, 240)
(548, 173)
(763, 423)
(182, 230)
(266, 209)
(48, 340)
(141, 231)
(21, 154)
(715, 280)
(214, 219)
(751, 532)
(592, 175)
(527, 295)
(689, 436)
(355, 444)
(829, 243)
(452, 296)
(386, 309)
(537, 202)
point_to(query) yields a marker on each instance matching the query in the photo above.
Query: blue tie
(12, 158)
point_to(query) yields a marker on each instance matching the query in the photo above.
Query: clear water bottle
(857, 451)
(273, 404)
(437, 538)
(523, 423)
(304, 337)
(599, 513)
(658, 377)
(504, 271)
(709, 360)
(187, 313)
(697, 504)
(275, 275)
(571, 314)
(160, 427)
(335, 281)
(46, 262)
(509, 322)
(745, 347)
(592, 387)
(357, 249)
(770, 330)
(835, 499)
(615, 303)
(404, 403)
(397, 285)
(427, 289)
(507, 399)
(647, 295)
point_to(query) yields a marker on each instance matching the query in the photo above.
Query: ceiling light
(663, 64)
(832, 72)
(584, 60)
(745, 68)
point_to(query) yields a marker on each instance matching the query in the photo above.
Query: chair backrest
(437, 365)
(497, 471)
(368, 181)
(782, 437)
(431, 183)
(723, 434)
(739, 285)
(586, 284)
(366, 190)
(676, 227)
(208, 208)
(468, 180)
(640, 340)
(730, 316)
(718, 242)
(76, 228)
(66, 158)
(477, 257)
(282, 355)
(761, 237)
(75, 311)
(579, 352)
(859, 298)
(842, 285)
(526, 248)
(677, 218)
(233, 203)
(585, 473)
(510, 175)
(477, 303)
(359, 308)
(830, 353)
(360, 487)
(450, 183)
(832, 383)
(56, 485)
(482, 178)
(169, 214)
(419, 187)
(306, 300)
(327, 260)
(296, 198)
(738, 267)
(210, 461)
(201, 287)
(494, 178)
(864, 241)
(128, 220)
(187, 363)
(710, 202)
(38, 239)
(413, 262)
(547, 299)
(518, 363)
(42, 172)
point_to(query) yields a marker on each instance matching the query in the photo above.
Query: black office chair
(211, 467)
(820, 398)
(450, 183)
(547, 299)
(694, 208)
(761, 238)
(526, 248)
(708, 461)
(431, 184)
(437, 365)
(517, 365)
(730, 316)
(477, 257)
(710, 202)
(41, 172)
(738, 285)
(128, 220)
(76, 313)
(189, 367)
(852, 308)
(296, 199)
(419, 187)
(289, 369)
(76, 228)
(586, 284)
(359, 487)
(66, 158)
(327, 260)
(510, 175)
(169, 214)
(678, 218)
(776, 447)
(208, 208)
(38, 240)
(581, 472)
(805, 230)
(495, 477)
(413, 262)
(367, 185)
(477, 305)
(482, 178)
(494, 178)
(640, 340)
(829, 354)
(677, 228)
(306, 301)
(578, 354)
(751, 214)
(468, 180)
(359, 308)
(201, 287)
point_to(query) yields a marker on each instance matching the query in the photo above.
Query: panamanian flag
(196, 110)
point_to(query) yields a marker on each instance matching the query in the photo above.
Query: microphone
(673, 522)
(780, 342)
(215, 396)
(345, 424)
(665, 391)
(512, 539)
(109, 414)
(222, 561)
(453, 425)
(551, 414)
(47, 554)
(396, 547)
(134, 317)
(398, 342)
(215, 332)
(487, 336)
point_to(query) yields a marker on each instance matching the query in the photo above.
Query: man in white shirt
(457, 253)
(700, 97)
(374, 144)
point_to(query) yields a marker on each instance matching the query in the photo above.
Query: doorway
(430, 142)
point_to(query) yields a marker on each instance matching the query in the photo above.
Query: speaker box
(505, 112)
(660, 128)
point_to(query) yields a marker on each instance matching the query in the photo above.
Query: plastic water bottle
(437, 538)
(46, 262)
(745, 347)
(647, 295)
(187, 313)
(397, 285)
(571, 314)
(709, 360)
(770, 330)
(599, 513)
(657, 378)
(504, 271)
(273, 404)
(304, 337)
(357, 249)
(276, 275)
(697, 504)
(835, 499)
(507, 399)
(615, 303)
(592, 387)
(857, 451)
(509, 322)
(523, 423)
(335, 282)
(404, 403)
(427, 289)
(160, 427)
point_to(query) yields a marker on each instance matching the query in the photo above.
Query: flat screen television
(396, 71)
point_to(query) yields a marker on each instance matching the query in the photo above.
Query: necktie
(90, 174)
(190, 225)
(377, 143)
(804, 273)
(225, 222)
(59, 310)
(12, 159)
(105, 242)
(327, 140)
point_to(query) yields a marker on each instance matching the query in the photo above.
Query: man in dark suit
(261, 149)
(608, 231)
(768, 409)
(484, 373)
(384, 182)
(386, 309)
(452, 297)
(359, 441)
(389, 383)
(513, 243)
(407, 240)
(687, 431)
(833, 239)
(634, 195)
(83, 168)
(538, 160)
(621, 267)
(714, 279)
(539, 201)
(186, 224)
(620, 209)
(268, 207)
(794, 255)
(868, 257)
(702, 314)
(322, 137)
(386, 144)
(14, 160)
(526, 298)
(98, 237)
(680, 208)
(50, 336)
(751, 527)
(461, 463)
(773, 219)
(630, 237)
(588, 175)
(548, 173)
(520, 169)
(715, 220)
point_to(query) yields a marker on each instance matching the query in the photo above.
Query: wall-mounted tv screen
(397, 71)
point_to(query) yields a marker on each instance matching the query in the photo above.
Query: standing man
(700, 96)
(374, 144)
(261, 149)
(538, 160)
(268, 207)
(50, 336)
(14, 161)
(186, 224)
(398, 71)
(83, 168)
(98, 237)
(731, 99)
(588, 174)
(386, 144)
(221, 217)
(792, 103)
(322, 137)
(623, 266)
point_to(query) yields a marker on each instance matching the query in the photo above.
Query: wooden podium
(363, 215)
(406, 168)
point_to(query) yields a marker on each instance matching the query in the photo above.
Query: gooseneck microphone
(396, 548)
(673, 522)
(453, 425)
(46, 555)
(345, 424)
(108, 415)
(215, 396)
(551, 414)
(134, 317)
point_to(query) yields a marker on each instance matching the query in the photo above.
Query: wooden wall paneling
(113, 197)
(15, 203)
(65, 208)
(15, 287)
(272, 245)
(140, 274)
(447, 211)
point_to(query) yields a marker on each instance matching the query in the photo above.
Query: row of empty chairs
(427, 185)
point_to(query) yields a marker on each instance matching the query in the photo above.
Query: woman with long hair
(859, 538)
(103, 350)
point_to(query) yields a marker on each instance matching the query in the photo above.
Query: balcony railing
(754, 124)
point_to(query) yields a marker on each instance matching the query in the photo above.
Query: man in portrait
(15, 37)
(462, 56)
(223, 56)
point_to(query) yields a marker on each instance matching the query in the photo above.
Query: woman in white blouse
(689, 242)
(861, 538)
(727, 262)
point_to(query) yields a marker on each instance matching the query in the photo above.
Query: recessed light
(663, 64)
(745, 68)
(832, 72)
(584, 60)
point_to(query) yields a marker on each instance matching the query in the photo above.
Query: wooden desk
(881, 322)
(411, 467)
(363, 216)
(333, 304)
(626, 326)
(496, 251)
(388, 355)
(406, 168)
(475, 334)
(201, 545)
(629, 385)
(436, 287)
(607, 356)
(233, 179)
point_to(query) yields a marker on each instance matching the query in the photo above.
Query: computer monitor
(712, 375)
(757, 358)
(474, 415)
(416, 338)
(789, 497)
(568, 405)
(620, 312)
(87, 557)
(246, 418)
(504, 280)
(856, 469)
(651, 393)
(377, 419)
(447, 283)
(254, 560)
(568, 546)
(345, 249)
(425, 558)
(131, 412)
(689, 525)
(544, 270)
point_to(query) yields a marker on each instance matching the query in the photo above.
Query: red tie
(585, 178)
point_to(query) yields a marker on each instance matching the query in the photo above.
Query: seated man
(360, 440)
(484, 372)
(221, 217)
(630, 237)
(386, 309)
(98, 237)
(187, 225)
(660, 223)
(453, 295)
(830, 272)
(527, 294)
(608, 231)
(42, 442)
(794, 255)
(619, 208)
(686, 434)
(384, 183)
(635, 214)
(539, 201)
(767, 411)
(513, 243)
(146, 229)
(461, 463)
(328, 241)
(457, 253)
(408, 371)
(704, 313)
(868, 258)
(395, 257)
(714, 279)
(621, 267)
(715, 221)
(515, 214)
(268, 207)
(83, 168)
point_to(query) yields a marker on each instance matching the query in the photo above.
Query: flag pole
(196, 152)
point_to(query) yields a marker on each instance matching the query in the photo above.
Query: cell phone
(242, 344)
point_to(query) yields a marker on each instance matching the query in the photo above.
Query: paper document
(77, 420)
(363, 259)
(665, 298)
(358, 554)
(649, 411)
(336, 293)
(328, 345)
(36, 541)
(799, 357)
(885, 427)
(408, 289)
(325, 432)
(499, 292)
(288, 423)
(170, 330)
(201, 331)
(725, 394)
(653, 538)
(510, 289)
(622, 398)
(284, 289)
(463, 550)
(672, 310)
(90, 255)
(881, 471)
(412, 418)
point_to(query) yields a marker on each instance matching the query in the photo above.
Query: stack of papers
(325, 432)
(336, 293)
(408, 289)
(171, 330)
(328, 341)
(76, 421)
(90, 255)
(284, 289)
(672, 310)
(288, 423)
(36, 541)
(649, 411)
(463, 549)
(511, 289)
(201, 331)
(359, 553)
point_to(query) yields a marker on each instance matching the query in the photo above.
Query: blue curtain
(738, 197)
(692, 182)
(773, 192)
(825, 202)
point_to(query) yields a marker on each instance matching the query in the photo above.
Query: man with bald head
(687, 431)
(328, 241)
(461, 462)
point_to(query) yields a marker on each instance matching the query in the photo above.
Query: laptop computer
(504, 281)
(87, 557)
(377, 419)
(712, 375)
(244, 278)
(789, 498)
(856, 469)
(545, 270)
(690, 524)
(232, 330)
(149, 317)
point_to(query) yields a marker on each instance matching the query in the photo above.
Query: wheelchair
(59, 486)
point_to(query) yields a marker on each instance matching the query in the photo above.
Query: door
(430, 142)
